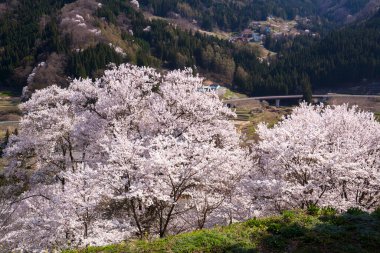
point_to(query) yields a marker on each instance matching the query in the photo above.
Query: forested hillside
(347, 11)
(21, 36)
(55, 49)
(230, 15)
(44, 42)
(339, 59)
(51, 43)
(235, 15)
(342, 57)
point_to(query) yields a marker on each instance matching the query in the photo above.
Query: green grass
(293, 231)
(9, 114)
(229, 94)
(242, 114)
(377, 116)
(6, 94)
(271, 116)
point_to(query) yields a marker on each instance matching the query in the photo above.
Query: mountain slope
(348, 11)
(67, 38)
(38, 38)
(83, 36)
(231, 15)
(340, 59)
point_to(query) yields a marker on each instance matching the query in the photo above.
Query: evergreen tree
(307, 93)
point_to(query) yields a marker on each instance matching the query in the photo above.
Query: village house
(209, 88)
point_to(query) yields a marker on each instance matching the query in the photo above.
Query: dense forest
(339, 58)
(235, 15)
(20, 38)
(230, 15)
(86, 63)
(342, 57)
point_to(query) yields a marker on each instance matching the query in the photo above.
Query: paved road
(299, 97)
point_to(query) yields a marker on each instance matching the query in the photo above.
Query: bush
(275, 241)
(253, 223)
(292, 231)
(288, 215)
(355, 211)
(274, 228)
(313, 209)
(328, 211)
(376, 213)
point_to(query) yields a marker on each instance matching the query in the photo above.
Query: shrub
(253, 223)
(288, 215)
(274, 228)
(313, 209)
(355, 211)
(292, 231)
(275, 241)
(376, 213)
(328, 211)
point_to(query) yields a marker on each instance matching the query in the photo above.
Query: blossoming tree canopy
(324, 155)
(132, 153)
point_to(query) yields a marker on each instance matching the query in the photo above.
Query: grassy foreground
(293, 231)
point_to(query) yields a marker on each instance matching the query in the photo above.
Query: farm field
(250, 114)
(9, 113)
(248, 118)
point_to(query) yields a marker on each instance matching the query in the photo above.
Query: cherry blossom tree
(51, 218)
(7, 197)
(135, 3)
(322, 155)
(132, 153)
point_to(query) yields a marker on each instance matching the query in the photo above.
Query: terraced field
(377, 116)
(249, 117)
(9, 118)
(242, 114)
(9, 114)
